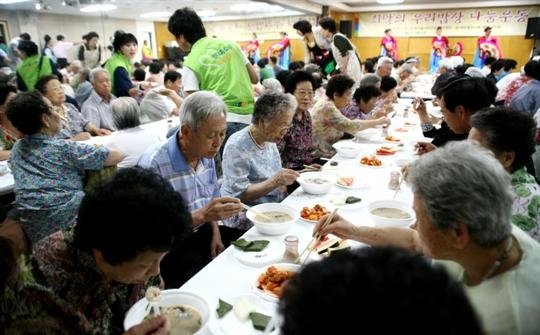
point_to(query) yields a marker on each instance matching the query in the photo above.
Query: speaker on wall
(345, 27)
(533, 28)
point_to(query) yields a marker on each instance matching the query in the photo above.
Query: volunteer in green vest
(119, 65)
(33, 66)
(215, 65)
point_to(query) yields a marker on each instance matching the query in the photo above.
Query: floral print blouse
(48, 176)
(526, 205)
(295, 148)
(329, 126)
(8, 138)
(61, 283)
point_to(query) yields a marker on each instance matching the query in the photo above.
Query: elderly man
(215, 65)
(463, 206)
(385, 65)
(163, 101)
(187, 161)
(97, 108)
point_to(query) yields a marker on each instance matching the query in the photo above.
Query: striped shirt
(98, 111)
(197, 186)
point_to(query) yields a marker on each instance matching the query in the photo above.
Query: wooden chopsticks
(316, 238)
(308, 168)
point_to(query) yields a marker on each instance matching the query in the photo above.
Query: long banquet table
(228, 278)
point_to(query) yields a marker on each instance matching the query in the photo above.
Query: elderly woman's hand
(159, 325)
(338, 227)
(384, 121)
(285, 177)
(82, 136)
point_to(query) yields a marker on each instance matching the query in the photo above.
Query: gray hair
(446, 63)
(271, 105)
(94, 72)
(464, 182)
(199, 106)
(125, 113)
(383, 61)
(370, 79)
(272, 84)
(406, 68)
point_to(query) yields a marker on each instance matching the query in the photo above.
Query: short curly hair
(25, 112)
(138, 202)
(338, 85)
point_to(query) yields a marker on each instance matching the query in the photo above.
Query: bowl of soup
(188, 312)
(316, 182)
(347, 149)
(276, 218)
(391, 213)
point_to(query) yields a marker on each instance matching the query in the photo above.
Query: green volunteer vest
(117, 60)
(219, 67)
(29, 70)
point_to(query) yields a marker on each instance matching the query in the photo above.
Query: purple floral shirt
(61, 283)
(296, 147)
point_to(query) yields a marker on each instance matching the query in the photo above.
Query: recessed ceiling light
(206, 13)
(389, 2)
(98, 8)
(153, 15)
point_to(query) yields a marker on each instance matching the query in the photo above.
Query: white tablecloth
(228, 278)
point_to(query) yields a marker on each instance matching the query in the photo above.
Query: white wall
(72, 27)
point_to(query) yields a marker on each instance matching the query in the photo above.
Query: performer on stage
(251, 50)
(487, 45)
(389, 45)
(439, 45)
(281, 50)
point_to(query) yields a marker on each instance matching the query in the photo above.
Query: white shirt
(131, 142)
(61, 49)
(510, 302)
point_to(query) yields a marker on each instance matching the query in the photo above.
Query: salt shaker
(393, 184)
(406, 113)
(291, 249)
(384, 132)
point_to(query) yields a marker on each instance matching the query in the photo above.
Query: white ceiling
(247, 9)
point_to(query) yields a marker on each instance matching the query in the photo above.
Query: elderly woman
(119, 65)
(74, 126)
(48, 172)
(130, 139)
(329, 125)
(463, 206)
(251, 163)
(296, 147)
(82, 279)
(8, 133)
(33, 66)
(510, 134)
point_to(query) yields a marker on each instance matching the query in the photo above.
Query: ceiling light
(255, 7)
(153, 15)
(206, 13)
(8, 2)
(98, 8)
(389, 2)
(38, 5)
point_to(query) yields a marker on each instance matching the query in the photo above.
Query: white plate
(308, 221)
(357, 184)
(392, 142)
(267, 295)
(139, 311)
(383, 165)
(231, 325)
(269, 255)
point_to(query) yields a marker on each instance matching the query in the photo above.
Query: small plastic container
(291, 249)
(393, 184)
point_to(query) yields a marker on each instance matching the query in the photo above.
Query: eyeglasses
(304, 93)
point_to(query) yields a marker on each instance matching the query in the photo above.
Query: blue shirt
(197, 186)
(76, 123)
(527, 97)
(48, 177)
